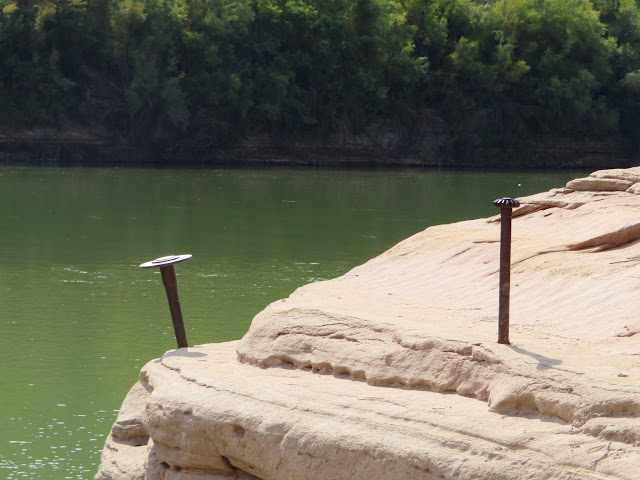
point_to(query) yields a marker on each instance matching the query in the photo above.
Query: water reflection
(57, 448)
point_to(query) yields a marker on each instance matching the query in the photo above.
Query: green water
(80, 318)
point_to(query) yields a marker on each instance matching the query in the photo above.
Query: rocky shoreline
(393, 370)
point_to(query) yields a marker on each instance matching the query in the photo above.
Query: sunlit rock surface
(392, 371)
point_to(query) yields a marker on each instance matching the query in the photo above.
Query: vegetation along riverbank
(546, 83)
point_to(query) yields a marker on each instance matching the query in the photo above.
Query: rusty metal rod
(171, 286)
(170, 282)
(506, 205)
(505, 275)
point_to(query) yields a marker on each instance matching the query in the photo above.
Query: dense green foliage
(217, 69)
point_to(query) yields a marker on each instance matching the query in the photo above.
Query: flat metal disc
(168, 260)
(506, 202)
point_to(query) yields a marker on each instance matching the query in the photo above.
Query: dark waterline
(376, 165)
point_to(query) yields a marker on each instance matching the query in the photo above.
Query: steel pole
(170, 282)
(506, 206)
(505, 275)
(171, 286)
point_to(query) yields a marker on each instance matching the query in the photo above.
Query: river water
(80, 318)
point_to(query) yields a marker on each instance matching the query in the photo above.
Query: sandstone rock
(591, 183)
(287, 423)
(617, 179)
(393, 370)
(125, 450)
(627, 174)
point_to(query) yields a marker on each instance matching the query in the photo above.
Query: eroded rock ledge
(392, 370)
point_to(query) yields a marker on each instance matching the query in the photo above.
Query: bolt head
(168, 260)
(506, 202)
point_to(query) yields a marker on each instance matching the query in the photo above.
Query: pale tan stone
(287, 423)
(627, 174)
(392, 371)
(122, 461)
(599, 183)
(128, 425)
(126, 449)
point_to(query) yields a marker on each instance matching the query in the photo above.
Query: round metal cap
(506, 202)
(168, 260)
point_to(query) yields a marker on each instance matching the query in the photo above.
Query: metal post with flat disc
(170, 282)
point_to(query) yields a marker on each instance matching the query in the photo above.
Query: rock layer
(393, 370)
